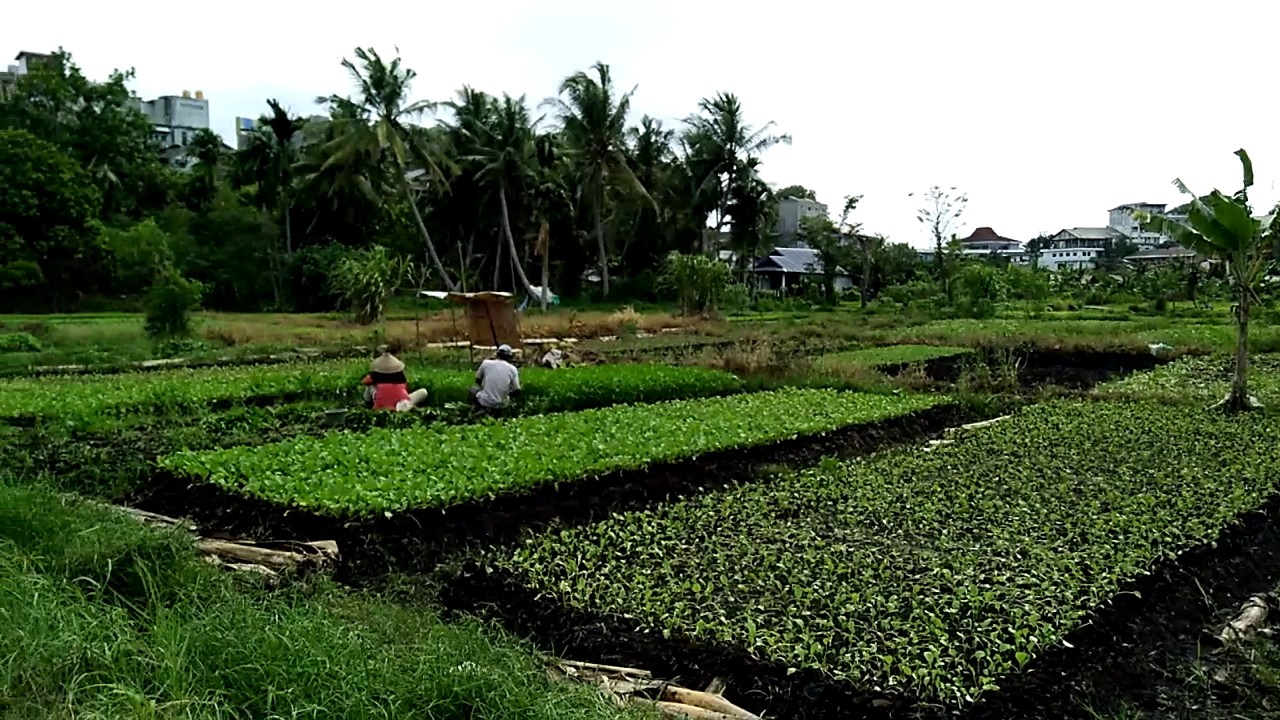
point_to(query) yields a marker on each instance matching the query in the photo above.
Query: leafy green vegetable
(79, 401)
(934, 573)
(390, 470)
(893, 355)
(1196, 380)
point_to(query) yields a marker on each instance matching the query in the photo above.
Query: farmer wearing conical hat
(387, 388)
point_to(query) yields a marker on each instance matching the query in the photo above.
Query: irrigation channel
(1113, 655)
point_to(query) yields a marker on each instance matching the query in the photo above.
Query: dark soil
(1035, 368)
(1135, 651)
(419, 540)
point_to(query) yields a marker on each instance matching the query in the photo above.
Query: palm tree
(383, 102)
(270, 157)
(1223, 227)
(722, 142)
(594, 123)
(502, 142)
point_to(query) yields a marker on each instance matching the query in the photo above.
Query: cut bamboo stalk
(706, 701)
(678, 710)
(633, 672)
(1246, 622)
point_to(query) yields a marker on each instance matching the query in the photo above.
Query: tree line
(497, 193)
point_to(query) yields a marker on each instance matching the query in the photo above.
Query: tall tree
(271, 157)
(98, 125)
(1223, 227)
(593, 119)
(503, 146)
(941, 213)
(50, 239)
(867, 245)
(383, 101)
(722, 142)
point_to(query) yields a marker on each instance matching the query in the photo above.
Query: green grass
(394, 470)
(893, 355)
(931, 573)
(102, 618)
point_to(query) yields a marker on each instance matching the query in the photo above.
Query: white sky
(1046, 114)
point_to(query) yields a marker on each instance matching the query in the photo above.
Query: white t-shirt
(497, 380)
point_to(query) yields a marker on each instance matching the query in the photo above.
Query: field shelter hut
(490, 318)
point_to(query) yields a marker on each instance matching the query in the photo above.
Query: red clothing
(387, 395)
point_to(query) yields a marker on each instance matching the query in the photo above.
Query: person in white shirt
(497, 380)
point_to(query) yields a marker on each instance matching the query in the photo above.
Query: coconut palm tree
(721, 140)
(270, 157)
(593, 120)
(501, 143)
(1223, 227)
(383, 102)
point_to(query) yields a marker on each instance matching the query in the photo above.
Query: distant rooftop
(1139, 206)
(985, 234)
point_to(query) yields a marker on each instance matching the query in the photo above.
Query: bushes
(19, 342)
(169, 305)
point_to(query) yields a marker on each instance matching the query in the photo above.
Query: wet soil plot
(1075, 370)
(418, 540)
(1132, 654)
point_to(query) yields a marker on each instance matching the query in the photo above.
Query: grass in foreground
(103, 618)
(393, 470)
(931, 573)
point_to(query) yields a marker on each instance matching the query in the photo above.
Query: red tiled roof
(985, 234)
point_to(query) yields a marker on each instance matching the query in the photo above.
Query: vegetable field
(934, 574)
(387, 470)
(80, 401)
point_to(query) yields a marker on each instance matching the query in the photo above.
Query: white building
(791, 211)
(176, 119)
(1123, 218)
(1075, 258)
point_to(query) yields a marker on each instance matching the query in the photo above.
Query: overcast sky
(1045, 114)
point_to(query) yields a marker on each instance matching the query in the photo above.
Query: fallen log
(1246, 622)
(274, 559)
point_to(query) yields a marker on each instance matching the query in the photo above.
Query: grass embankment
(887, 355)
(103, 618)
(107, 338)
(435, 467)
(931, 573)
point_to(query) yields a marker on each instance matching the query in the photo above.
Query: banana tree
(1223, 227)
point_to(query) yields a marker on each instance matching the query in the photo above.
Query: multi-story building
(1124, 218)
(791, 211)
(176, 119)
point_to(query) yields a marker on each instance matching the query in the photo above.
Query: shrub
(169, 305)
(19, 342)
